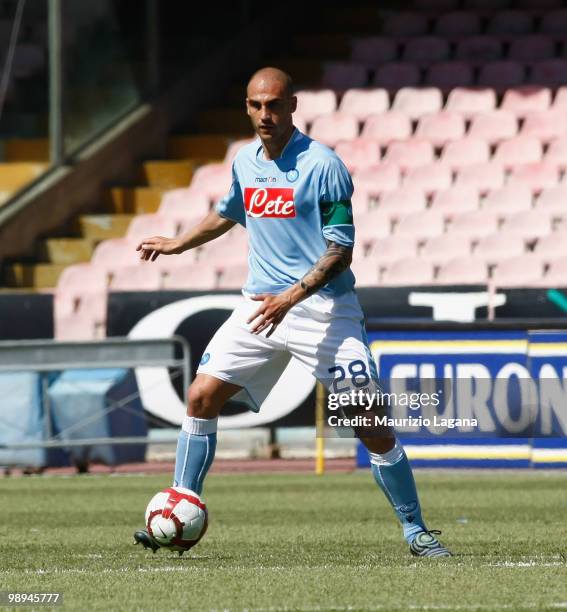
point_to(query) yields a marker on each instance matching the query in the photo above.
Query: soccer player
(293, 196)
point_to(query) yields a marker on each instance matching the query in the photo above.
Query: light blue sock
(392, 472)
(195, 452)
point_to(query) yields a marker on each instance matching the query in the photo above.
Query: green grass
(291, 541)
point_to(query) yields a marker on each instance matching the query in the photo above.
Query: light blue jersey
(289, 206)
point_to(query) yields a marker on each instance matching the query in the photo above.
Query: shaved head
(271, 78)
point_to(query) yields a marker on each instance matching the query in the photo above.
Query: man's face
(270, 108)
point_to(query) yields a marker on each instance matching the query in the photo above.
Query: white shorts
(325, 334)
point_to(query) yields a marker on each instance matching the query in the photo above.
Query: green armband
(336, 213)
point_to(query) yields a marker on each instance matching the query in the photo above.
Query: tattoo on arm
(335, 259)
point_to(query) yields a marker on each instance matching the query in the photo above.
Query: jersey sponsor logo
(266, 179)
(270, 202)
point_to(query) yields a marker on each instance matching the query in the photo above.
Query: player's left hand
(271, 312)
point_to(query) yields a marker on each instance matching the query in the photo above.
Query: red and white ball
(176, 518)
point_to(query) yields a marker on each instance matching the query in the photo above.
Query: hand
(151, 248)
(271, 312)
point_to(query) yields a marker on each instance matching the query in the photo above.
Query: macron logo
(269, 202)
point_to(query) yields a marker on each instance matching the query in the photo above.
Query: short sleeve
(335, 203)
(232, 205)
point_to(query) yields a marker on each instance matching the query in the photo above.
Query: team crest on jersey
(269, 202)
(292, 175)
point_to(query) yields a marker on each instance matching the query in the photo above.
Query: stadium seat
(455, 200)
(331, 129)
(136, 278)
(517, 150)
(502, 75)
(556, 153)
(410, 153)
(538, 176)
(511, 23)
(482, 177)
(527, 99)
(448, 75)
(228, 248)
(360, 202)
(549, 73)
(212, 179)
(410, 271)
(116, 252)
(462, 271)
(427, 224)
(471, 101)
(190, 277)
(458, 23)
(529, 224)
(553, 200)
(508, 200)
(477, 50)
(556, 275)
(519, 271)
(429, 178)
(554, 22)
(440, 128)
(234, 147)
(365, 272)
(361, 103)
(233, 276)
(344, 75)
(405, 24)
(545, 125)
(532, 48)
(393, 248)
(358, 153)
(144, 226)
(426, 50)
(552, 246)
(313, 103)
(496, 247)
(387, 127)
(372, 225)
(395, 75)
(416, 102)
(401, 202)
(560, 99)
(376, 179)
(465, 152)
(371, 51)
(475, 224)
(185, 203)
(443, 248)
(494, 126)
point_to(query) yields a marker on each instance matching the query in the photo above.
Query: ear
(247, 107)
(293, 100)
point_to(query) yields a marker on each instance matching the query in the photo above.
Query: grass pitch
(291, 542)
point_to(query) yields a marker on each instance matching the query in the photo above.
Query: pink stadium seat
(360, 202)
(551, 246)
(402, 202)
(502, 75)
(501, 245)
(185, 203)
(393, 248)
(377, 179)
(553, 200)
(361, 103)
(411, 271)
(520, 149)
(519, 271)
(510, 22)
(555, 22)
(212, 179)
(365, 272)
(416, 102)
(114, 253)
(538, 176)
(455, 200)
(463, 271)
(482, 177)
(331, 129)
(426, 50)
(556, 153)
(144, 226)
(410, 153)
(394, 75)
(233, 276)
(136, 278)
(300, 123)
(427, 224)
(233, 249)
(440, 128)
(234, 147)
(532, 48)
(551, 73)
(560, 100)
(386, 127)
(344, 75)
(478, 50)
(508, 200)
(556, 276)
(474, 224)
(465, 152)
(448, 75)
(405, 23)
(195, 277)
(429, 178)
(545, 125)
(442, 248)
(494, 126)
(471, 101)
(458, 23)
(372, 51)
(313, 103)
(529, 224)
(372, 225)
(358, 153)
(527, 99)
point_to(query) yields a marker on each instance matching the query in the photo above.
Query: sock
(195, 452)
(393, 475)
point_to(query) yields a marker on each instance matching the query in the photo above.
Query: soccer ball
(176, 518)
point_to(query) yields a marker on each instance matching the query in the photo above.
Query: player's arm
(211, 227)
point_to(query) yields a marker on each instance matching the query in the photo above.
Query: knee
(200, 402)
